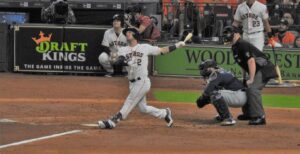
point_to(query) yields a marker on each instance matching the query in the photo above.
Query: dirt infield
(46, 105)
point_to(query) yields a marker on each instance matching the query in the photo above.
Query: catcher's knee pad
(215, 96)
(103, 58)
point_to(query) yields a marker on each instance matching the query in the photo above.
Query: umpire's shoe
(106, 124)
(258, 121)
(168, 118)
(243, 117)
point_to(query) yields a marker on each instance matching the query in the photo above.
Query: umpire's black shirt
(243, 51)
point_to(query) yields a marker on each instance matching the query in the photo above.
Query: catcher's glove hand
(202, 101)
(113, 57)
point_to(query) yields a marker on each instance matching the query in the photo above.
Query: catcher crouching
(223, 90)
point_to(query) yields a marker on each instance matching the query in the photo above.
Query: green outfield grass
(190, 97)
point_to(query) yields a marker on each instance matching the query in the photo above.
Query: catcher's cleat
(168, 118)
(228, 122)
(218, 118)
(106, 124)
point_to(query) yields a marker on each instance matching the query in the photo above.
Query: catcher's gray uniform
(252, 22)
(223, 84)
(114, 42)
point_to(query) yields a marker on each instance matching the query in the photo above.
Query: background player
(113, 39)
(253, 16)
(223, 89)
(135, 56)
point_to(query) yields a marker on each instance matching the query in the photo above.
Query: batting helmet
(119, 17)
(135, 32)
(203, 67)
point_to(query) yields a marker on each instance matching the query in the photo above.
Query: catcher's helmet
(135, 32)
(119, 17)
(203, 67)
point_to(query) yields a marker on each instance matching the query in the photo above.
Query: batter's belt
(253, 32)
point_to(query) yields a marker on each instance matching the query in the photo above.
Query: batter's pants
(137, 97)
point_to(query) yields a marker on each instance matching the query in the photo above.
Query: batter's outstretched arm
(167, 49)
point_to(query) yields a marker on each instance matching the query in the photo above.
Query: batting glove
(180, 44)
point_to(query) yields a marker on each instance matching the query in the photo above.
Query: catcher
(113, 39)
(223, 90)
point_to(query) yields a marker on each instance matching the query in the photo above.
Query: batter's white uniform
(252, 21)
(114, 42)
(137, 58)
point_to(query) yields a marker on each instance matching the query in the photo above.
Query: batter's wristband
(172, 48)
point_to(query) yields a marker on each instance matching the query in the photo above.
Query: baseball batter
(253, 16)
(135, 58)
(113, 39)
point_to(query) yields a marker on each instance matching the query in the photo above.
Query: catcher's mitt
(202, 101)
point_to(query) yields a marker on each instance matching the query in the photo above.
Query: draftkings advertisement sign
(57, 49)
(185, 61)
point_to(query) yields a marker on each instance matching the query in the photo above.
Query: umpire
(223, 90)
(251, 60)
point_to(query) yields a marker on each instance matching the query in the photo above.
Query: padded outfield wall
(185, 61)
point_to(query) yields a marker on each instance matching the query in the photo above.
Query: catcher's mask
(203, 67)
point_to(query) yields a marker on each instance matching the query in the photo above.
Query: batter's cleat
(243, 117)
(168, 118)
(228, 122)
(106, 124)
(218, 118)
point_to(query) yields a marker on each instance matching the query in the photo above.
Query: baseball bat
(188, 37)
(275, 62)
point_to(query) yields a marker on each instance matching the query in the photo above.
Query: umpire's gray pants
(234, 98)
(254, 108)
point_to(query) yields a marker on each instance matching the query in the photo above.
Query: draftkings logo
(59, 51)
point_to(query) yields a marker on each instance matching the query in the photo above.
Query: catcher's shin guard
(222, 108)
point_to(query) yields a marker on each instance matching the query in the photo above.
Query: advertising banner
(57, 49)
(185, 61)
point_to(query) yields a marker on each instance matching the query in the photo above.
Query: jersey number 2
(139, 62)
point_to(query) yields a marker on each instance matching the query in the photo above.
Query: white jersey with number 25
(251, 18)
